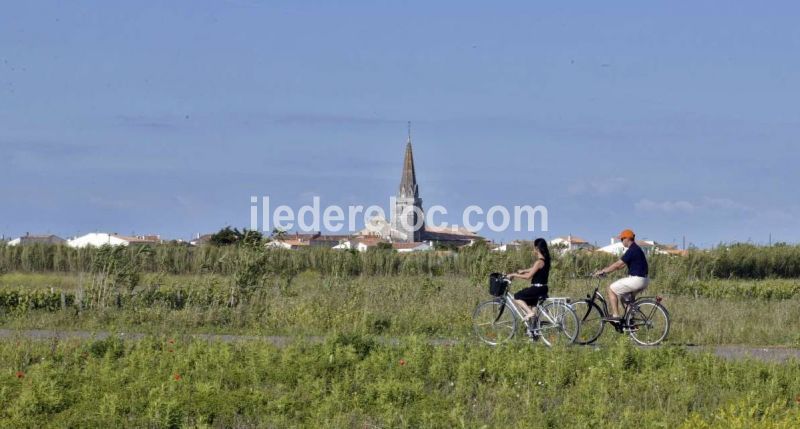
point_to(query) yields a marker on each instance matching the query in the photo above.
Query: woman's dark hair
(541, 245)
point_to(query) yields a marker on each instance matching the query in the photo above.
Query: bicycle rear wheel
(648, 322)
(591, 319)
(494, 322)
(566, 326)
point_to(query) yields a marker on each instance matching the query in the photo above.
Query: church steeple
(408, 219)
(408, 182)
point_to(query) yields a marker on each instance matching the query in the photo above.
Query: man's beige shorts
(630, 284)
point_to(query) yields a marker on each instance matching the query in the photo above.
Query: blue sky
(672, 119)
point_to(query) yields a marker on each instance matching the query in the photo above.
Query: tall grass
(726, 312)
(742, 261)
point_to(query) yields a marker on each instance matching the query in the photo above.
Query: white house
(570, 243)
(286, 244)
(421, 246)
(361, 244)
(505, 247)
(514, 245)
(97, 239)
(616, 247)
(200, 240)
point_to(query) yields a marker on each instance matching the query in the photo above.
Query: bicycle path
(776, 354)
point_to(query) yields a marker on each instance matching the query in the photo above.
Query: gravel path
(736, 352)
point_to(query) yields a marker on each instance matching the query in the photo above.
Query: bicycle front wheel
(591, 319)
(494, 322)
(648, 322)
(558, 324)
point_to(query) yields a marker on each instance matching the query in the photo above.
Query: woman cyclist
(538, 273)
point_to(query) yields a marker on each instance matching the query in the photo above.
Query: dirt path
(736, 352)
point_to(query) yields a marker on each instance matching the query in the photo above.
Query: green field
(377, 365)
(353, 381)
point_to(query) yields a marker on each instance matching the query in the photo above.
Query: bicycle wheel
(566, 326)
(493, 322)
(648, 322)
(591, 318)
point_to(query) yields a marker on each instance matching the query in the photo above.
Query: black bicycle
(645, 319)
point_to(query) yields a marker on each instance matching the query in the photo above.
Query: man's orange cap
(626, 234)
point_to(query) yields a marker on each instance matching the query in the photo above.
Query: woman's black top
(540, 276)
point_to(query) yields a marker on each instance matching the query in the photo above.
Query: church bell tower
(408, 206)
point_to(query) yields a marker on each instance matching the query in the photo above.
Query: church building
(407, 224)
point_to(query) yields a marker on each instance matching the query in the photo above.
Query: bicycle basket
(497, 284)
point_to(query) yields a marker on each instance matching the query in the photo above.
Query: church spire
(408, 182)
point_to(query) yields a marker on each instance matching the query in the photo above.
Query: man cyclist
(636, 281)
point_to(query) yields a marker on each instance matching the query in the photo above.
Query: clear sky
(673, 118)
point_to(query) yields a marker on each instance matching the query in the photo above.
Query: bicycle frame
(509, 301)
(597, 295)
(626, 304)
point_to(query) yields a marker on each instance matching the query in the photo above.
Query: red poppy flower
(797, 399)
(176, 377)
(20, 374)
(170, 350)
(402, 362)
(171, 341)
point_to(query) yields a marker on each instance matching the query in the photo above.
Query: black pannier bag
(497, 284)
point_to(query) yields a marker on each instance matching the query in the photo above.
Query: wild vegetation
(356, 381)
(738, 261)
(703, 312)
(359, 304)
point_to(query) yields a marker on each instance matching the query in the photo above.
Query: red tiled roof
(369, 240)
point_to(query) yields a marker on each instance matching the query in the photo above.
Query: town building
(413, 247)
(201, 239)
(616, 248)
(361, 244)
(29, 239)
(569, 243)
(407, 221)
(98, 239)
(649, 247)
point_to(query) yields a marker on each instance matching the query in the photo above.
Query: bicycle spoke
(648, 326)
(558, 324)
(591, 321)
(493, 323)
